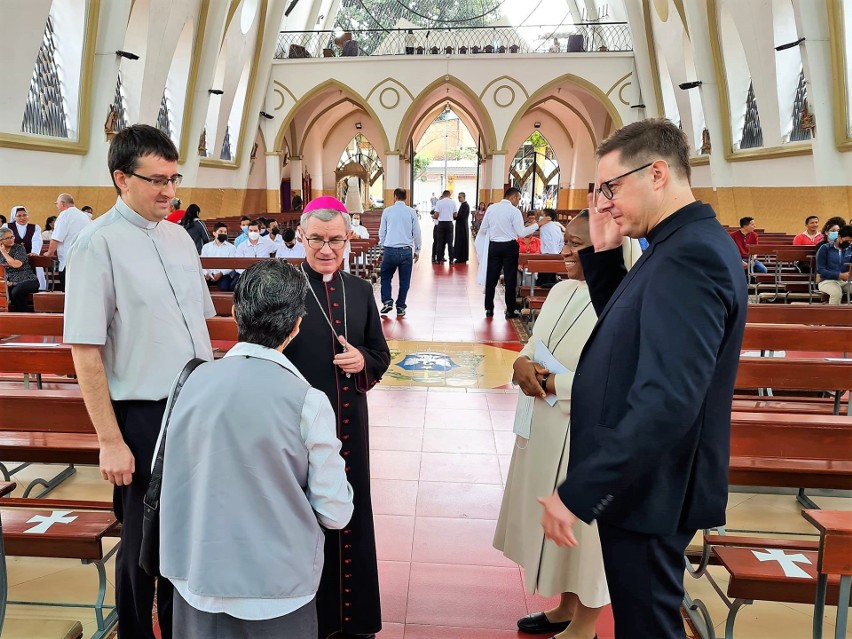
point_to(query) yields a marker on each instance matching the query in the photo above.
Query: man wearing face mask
(225, 278)
(832, 264)
(275, 233)
(243, 236)
(255, 245)
(290, 248)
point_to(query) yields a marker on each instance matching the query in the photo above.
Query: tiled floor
(441, 442)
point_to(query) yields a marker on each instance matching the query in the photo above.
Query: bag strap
(152, 496)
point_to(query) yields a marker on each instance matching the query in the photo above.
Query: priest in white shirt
(290, 248)
(222, 278)
(68, 225)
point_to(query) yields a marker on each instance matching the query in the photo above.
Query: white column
(392, 172)
(643, 78)
(498, 172)
(296, 178)
(816, 61)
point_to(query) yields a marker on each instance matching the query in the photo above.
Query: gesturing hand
(558, 521)
(350, 360)
(527, 375)
(603, 230)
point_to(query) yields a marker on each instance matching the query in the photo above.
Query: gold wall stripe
(839, 60)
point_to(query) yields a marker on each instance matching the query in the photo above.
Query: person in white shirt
(446, 210)
(289, 247)
(357, 232)
(243, 236)
(225, 278)
(503, 225)
(69, 224)
(275, 233)
(255, 245)
(552, 240)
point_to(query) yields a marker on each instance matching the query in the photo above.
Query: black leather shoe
(489, 313)
(513, 315)
(538, 624)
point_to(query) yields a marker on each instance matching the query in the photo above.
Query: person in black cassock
(342, 351)
(461, 244)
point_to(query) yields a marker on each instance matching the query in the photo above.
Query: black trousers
(139, 422)
(18, 295)
(502, 256)
(435, 243)
(445, 240)
(645, 578)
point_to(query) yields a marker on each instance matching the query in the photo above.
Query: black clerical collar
(315, 275)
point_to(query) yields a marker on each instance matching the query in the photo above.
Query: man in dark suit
(651, 402)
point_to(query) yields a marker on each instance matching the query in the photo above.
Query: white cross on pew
(56, 517)
(788, 562)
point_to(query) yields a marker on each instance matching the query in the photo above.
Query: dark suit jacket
(651, 401)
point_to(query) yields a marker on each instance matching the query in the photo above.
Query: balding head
(64, 201)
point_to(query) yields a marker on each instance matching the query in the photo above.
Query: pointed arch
(330, 84)
(415, 113)
(568, 78)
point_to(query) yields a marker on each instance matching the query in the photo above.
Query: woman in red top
(530, 244)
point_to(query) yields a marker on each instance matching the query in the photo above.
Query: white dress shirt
(552, 238)
(212, 249)
(285, 251)
(503, 223)
(446, 209)
(68, 226)
(264, 248)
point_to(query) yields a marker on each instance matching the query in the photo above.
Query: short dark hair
(649, 140)
(845, 231)
(461, 194)
(445, 193)
(549, 213)
(86, 208)
(400, 194)
(289, 235)
(268, 299)
(254, 223)
(48, 222)
(134, 142)
(220, 225)
(745, 221)
(511, 191)
(811, 217)
(245, 218)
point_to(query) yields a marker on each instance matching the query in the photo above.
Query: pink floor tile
(502, 419)
(473, 501)
(444, 632)
(502, 401)
(386, 464)
(397, 398)
(388, 438)
(445, 399)
(445, 440)
(402, 417)
(393, 496)
(394, 537)
(505, 440)
(453, 467)
(472, 417)
(392, 630)
(465, 596)
(393, 586)
(466, 541)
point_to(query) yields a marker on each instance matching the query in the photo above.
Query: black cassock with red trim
(348, 597)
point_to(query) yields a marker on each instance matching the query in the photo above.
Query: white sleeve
(328, 491)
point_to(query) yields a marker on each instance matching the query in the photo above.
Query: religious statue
(354, 201)
(202, 143)
(705, 142)
(806, 121)
(111, 124)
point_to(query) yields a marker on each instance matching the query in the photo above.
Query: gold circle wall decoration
(389, 98)
(504, 95)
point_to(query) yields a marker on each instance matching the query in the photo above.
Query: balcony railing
(553, 39)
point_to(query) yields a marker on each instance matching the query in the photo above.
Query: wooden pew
(805, 314)
(49, 302)
(63, 532)
(835, 551)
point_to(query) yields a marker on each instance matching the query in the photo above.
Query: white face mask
(356, 222)
(254, 236)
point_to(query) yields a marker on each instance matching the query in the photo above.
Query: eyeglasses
(319, 243)
(160, 183)
(605, 188)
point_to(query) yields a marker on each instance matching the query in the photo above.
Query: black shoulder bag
(149, 556)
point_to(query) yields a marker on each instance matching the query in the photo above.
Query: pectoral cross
(788, 562)
(56, 517)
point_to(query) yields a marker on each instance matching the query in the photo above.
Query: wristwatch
(544, 379)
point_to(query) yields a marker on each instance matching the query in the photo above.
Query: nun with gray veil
(245, 494)
(544, 371)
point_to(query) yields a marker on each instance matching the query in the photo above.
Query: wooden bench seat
(49, 447)
(804, 314)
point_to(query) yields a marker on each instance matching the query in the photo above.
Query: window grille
(752, 133)
(118, 105)
(164, 116)
(226, 145)
(45, 113)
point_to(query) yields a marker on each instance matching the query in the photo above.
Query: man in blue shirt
(399, 235)
(832, 264)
